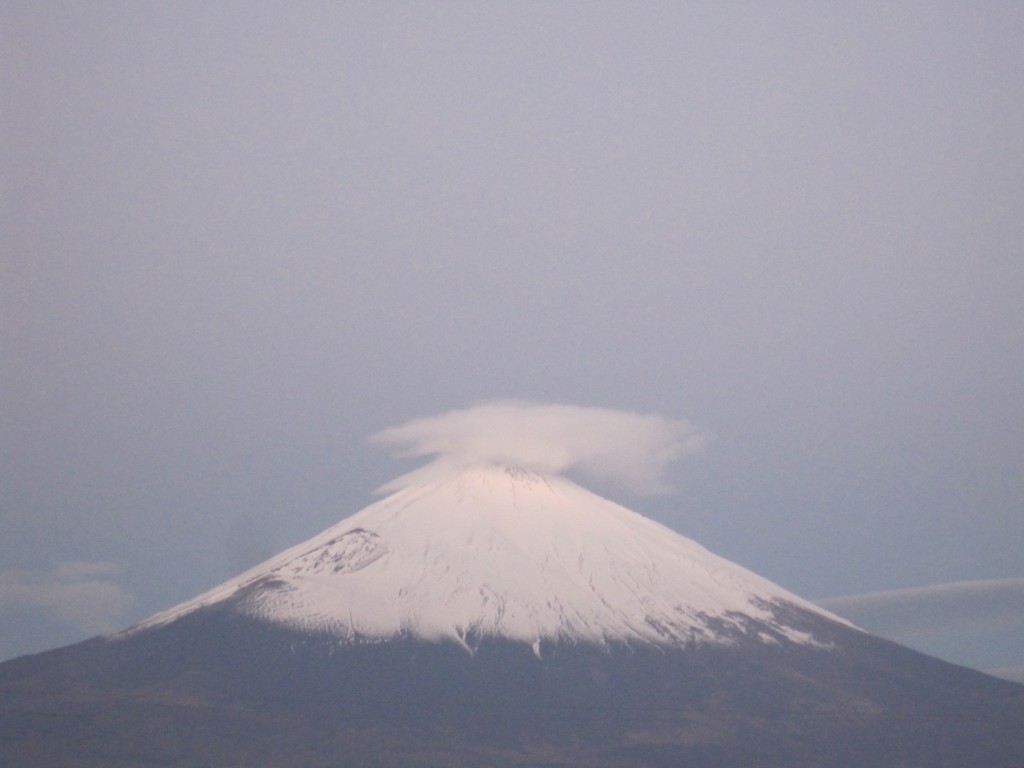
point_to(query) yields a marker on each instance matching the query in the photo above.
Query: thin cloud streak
(978, 623)
(930, 607)
(80, 594)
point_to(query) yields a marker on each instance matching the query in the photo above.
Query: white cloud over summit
(631, 450)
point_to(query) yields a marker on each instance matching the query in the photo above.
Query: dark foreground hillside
(217, 689)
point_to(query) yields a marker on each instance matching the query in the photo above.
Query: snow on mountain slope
(496, 551)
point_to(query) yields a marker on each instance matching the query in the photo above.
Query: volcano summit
(495, 614)
(492, 552)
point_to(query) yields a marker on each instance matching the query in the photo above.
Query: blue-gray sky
(237, 239)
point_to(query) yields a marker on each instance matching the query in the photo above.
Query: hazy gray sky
(238, 239)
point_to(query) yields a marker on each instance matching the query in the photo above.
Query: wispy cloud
(629, 449)
(84, 595)
(934, 607)
(978, 623)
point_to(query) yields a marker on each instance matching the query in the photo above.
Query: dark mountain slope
(217, 688)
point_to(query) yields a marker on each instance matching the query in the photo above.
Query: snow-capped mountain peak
(500, 551)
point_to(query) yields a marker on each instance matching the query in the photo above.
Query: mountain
(501, 552)
(493, 616)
